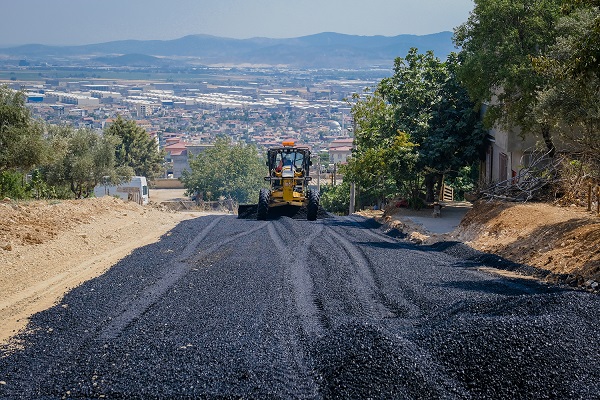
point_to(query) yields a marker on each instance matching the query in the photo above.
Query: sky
(72, 22)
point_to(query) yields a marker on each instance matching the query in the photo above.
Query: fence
(447, 193)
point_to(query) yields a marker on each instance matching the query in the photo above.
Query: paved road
(229, 308)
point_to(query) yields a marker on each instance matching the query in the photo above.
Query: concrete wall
(166, 184)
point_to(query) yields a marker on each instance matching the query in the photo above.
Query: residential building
(340, 150)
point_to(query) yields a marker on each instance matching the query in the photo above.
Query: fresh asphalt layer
(285, 308)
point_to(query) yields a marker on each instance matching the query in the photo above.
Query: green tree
(22, 144)
(40, 189)
(382, 161)
(435, 110)
(456, 138)
(497, 44)
(81, 159)
(419, 125)
(570, 100)
(136, 149)
(226, 170)
(12, 184)
(336, 198)
(584, 46)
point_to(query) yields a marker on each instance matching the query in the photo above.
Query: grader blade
(247, 211)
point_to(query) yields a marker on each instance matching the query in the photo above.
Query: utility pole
(334, 179)
(319, 174)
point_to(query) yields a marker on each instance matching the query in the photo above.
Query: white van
(134, 190)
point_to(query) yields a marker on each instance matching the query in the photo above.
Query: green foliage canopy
(22, 144)
(570, 99)
(498, 41)
(81, 159)
(432, 106)
(420, 122)
(226, 170)
(136, 149)
(336, 198)
(382, 159)
(584, 53)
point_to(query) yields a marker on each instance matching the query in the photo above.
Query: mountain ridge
(326, 49)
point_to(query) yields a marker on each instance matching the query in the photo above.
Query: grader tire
(263, 204)
(312, 209)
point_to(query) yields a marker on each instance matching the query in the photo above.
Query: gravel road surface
(231, 308)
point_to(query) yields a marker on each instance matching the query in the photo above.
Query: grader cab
(289, 167)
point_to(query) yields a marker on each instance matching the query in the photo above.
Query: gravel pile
(231, 308)
(367, 362)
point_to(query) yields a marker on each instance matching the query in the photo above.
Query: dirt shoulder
(48, 248)
(562, 240)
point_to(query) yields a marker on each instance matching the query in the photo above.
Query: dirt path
(46, 249)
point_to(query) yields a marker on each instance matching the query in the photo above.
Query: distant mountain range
(324, 50)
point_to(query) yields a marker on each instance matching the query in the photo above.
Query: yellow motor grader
(289, 167)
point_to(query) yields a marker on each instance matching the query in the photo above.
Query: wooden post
(589, 198)
(352, 198)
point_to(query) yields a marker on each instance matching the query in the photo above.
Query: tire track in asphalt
(294, 258)
(378, 307)
(374, 303)
(174, 272)
(296, 262)
(363, 282)
(400, 305)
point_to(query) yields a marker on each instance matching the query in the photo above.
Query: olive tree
(226, 170)
(136, 149)
(81, 158)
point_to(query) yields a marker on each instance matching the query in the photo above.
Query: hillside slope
(562, 240)
(48, 248)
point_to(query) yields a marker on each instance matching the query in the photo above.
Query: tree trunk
(439, 186)
(433, 186)
(429, 188)
(548, 140)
